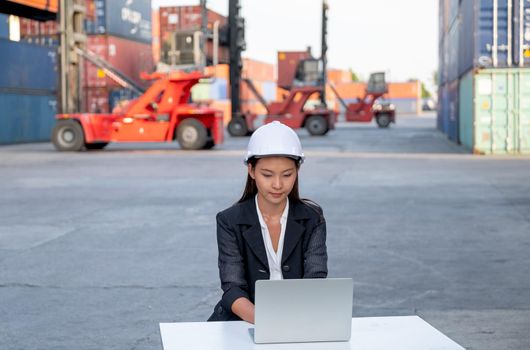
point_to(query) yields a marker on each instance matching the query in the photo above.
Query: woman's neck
(271, 209)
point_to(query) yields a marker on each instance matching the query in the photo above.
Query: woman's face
(275, 178)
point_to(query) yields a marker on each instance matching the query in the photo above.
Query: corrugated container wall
(124, 18)
(46, 5)
(493, 36)
(26, 66)
(26, 117)
(129, 57)
(501, 111)
(4, 26)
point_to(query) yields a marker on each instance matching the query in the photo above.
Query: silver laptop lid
(303, 310)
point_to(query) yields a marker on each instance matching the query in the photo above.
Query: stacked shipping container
(484, 54)
(119, 31)
(185, 19)
(28, 83)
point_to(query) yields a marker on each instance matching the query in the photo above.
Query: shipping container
(411, 89)
(127, 56)
(287, 63)
(26, 117)
(443, 103)
(500, 111)
(219, 71)
(258, 71)
(410, 106)
(268, 89)
(123, 18)
(493, 34)
(338, 76)
(452, 122)
(4, 26)
(119, 97)
(155, 35)
(216, 89)
(96, 100)
(465, 110)
(186, 18)
(45, 5)
(27, 66)
(350, 90)
(452, 53)
(32, 28)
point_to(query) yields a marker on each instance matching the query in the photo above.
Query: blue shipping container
(219, 89)
(129, 19)
(26, 118)
(443, 109)
(452, 117)
(493, 36)
(27, 66)
(4, 26)
(269, 90)
(118, 95)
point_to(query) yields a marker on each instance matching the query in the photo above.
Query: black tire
(209, 145)
(237, 127)
(68, 136)
(192, 134)
(96, 145)
(383, 120)
(317, 125)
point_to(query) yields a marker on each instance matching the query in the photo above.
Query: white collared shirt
(273, 258)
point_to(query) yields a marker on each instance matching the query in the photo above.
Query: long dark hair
(251, 189)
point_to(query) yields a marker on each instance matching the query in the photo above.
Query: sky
(398, 37)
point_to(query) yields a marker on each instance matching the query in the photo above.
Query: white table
(381, 333)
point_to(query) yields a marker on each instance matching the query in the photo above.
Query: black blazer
(243, 258)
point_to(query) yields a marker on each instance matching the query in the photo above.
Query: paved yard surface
(98, 247)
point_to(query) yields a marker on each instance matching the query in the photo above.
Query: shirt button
(286, 268)
(220, 309)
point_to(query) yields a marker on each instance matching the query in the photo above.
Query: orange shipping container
(258, 71)
(220, 71)
(404, 90)
(339, 76)
(350, 90)
(46, 5)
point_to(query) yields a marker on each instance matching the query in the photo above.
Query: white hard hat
(274, 139)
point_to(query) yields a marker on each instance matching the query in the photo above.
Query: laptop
(303, 310)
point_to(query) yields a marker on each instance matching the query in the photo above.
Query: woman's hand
(243, 308)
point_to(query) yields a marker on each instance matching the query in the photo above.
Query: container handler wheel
(68, 135)
(383, 120)
(96, 145)
(192, 134)
(237, 127)
(317, 125)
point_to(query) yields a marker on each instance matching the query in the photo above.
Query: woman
(270, 233)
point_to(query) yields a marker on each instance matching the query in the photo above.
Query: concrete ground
(97, 248)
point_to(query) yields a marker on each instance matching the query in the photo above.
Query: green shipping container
(495, 111)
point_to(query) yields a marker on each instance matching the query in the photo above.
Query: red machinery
(318, 120)
(366, 109)
(160, 114)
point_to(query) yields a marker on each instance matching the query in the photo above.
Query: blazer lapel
(252, 234)
(255, 242)
(294, 230)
